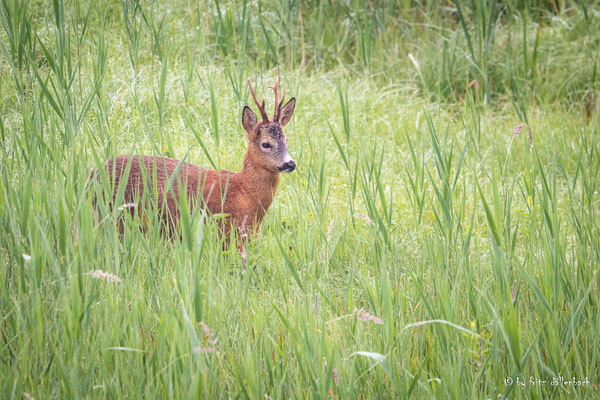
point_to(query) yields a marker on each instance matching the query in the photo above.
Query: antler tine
(261, 107)
(278, 101)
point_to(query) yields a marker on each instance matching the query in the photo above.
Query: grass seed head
(364, 217)
(208, 334)
(204, 350)
(530, 140)
(513, 295)
(517, 129)
(365, 316)
(105, 276)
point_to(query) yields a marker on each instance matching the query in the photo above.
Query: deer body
(244, 197)
(248, 193)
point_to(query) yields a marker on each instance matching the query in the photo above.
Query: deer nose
(288, 166)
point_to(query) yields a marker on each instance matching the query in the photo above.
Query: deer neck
(260, 183)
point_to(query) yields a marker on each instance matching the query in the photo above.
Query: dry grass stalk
(105, 276)
(365, 316)
(364, 217)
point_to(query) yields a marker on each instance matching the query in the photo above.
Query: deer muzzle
(288, 164)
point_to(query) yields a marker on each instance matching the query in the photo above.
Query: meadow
(440, 237)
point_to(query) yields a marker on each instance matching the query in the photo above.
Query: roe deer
(248, 193)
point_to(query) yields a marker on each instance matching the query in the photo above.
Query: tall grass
(425, 247)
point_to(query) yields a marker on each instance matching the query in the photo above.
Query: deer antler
(261, 107)
(278, 101)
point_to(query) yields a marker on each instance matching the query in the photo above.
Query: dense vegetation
(428, 245)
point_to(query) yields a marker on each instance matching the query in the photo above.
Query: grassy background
(477, 249)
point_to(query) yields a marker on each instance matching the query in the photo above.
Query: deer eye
(266, 145)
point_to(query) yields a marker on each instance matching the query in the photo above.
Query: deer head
(267, 144)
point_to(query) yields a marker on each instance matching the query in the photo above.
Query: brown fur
(244, 197)
(249, 192)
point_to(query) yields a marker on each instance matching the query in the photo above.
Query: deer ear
(286, 112)
(248, 119)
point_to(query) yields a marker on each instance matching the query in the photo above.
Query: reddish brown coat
(249, 193)
(244, 197)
